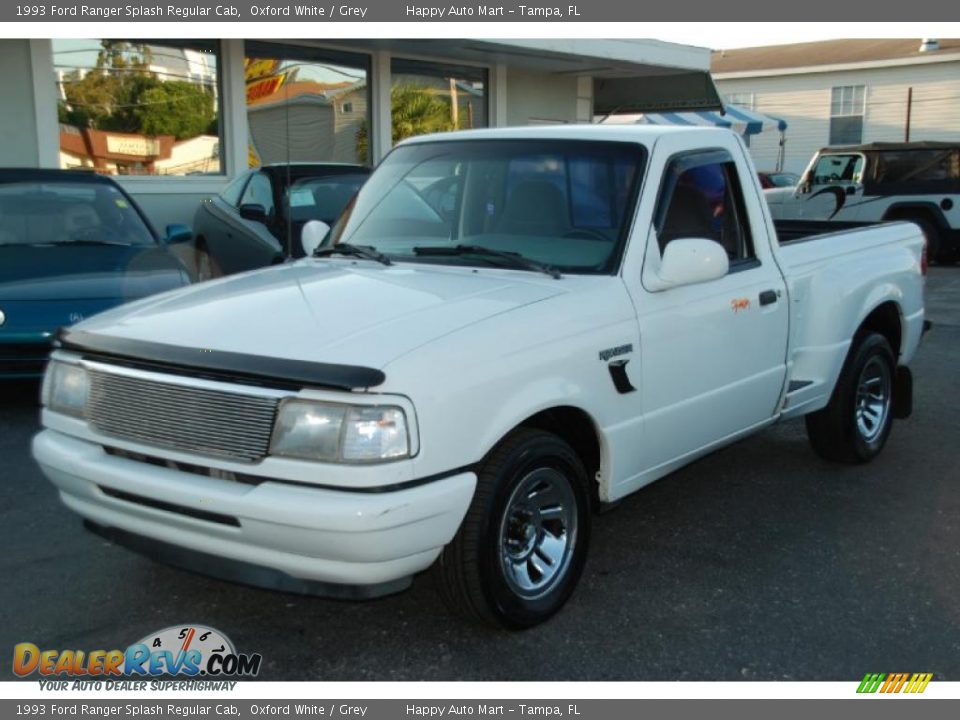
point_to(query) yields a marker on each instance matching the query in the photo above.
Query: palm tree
(418, 110)
(414, 110)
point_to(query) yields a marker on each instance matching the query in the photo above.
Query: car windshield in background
(52, 213)
(322, 198)
(562, 203)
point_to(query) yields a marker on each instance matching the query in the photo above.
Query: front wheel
(854, 426)
(522, 546)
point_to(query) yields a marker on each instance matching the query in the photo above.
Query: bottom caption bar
(403, 709)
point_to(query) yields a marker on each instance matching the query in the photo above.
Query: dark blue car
(71, 245)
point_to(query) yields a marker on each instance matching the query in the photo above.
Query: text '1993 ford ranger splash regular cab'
(506, 330)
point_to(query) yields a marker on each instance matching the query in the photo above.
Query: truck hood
(329, 311)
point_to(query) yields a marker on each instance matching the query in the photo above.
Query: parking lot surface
(760, 562)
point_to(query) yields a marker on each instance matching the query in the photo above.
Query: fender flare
(927, 208)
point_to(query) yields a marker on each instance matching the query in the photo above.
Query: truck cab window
(702, 198)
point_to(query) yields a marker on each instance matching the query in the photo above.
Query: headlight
(65, 388)
(340, 433)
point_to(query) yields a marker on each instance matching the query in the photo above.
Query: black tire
(855, 424)
(472, 571)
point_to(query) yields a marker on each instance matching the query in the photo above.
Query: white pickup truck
(506, 330)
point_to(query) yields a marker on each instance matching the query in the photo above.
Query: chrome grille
(227, 425)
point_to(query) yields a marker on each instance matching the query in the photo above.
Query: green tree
(176, 108)
(414, 110)
(121, 94)
(418, 110)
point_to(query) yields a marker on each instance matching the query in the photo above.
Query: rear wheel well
(578, 430)
(885, 319)
(913, 212)
(930, 221)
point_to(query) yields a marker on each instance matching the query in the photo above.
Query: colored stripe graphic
(870, 683)
(918, 683)
(894, 682)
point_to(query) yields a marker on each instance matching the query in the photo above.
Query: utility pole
(454, 105)
(909, 111)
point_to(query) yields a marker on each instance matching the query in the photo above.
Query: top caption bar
(413, 11)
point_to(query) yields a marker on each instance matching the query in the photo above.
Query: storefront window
(139, 107)
(305, 104)
(431, 97)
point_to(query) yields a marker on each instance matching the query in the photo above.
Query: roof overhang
(664, 92)
(629, 75)
(932, 58)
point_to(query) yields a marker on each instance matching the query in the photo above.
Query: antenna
(289, 228)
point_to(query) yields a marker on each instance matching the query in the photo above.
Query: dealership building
(175, 120)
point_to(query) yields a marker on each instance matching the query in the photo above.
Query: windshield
(51, 213)
(833, 169)
(563, 203)
(321, 198)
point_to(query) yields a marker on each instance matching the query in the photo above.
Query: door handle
(768, 297)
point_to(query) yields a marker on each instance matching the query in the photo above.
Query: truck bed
(789, 231)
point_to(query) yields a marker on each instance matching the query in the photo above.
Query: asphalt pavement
(760, 562)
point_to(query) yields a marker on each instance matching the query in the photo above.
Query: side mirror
(177, 234)
(257, 213)
(851, 189)
(312, 236)
(687, 261)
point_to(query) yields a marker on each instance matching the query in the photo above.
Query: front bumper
(313, 536)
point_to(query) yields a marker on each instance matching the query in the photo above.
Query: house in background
(843, 92)
(307, 121)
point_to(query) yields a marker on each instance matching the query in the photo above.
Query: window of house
(846, 114)
(428, 97)
(744, 100)
(702, 198)
(306, 104)
(139, 107)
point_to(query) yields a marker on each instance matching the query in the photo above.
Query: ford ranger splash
(505, 331)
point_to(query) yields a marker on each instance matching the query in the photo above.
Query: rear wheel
(854, 426)
(522, 546)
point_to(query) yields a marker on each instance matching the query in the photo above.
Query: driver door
(713, 353)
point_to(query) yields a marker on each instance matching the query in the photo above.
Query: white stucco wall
(17, 119)
(539, 97)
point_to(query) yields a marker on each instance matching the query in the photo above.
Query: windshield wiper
(513, 259)
(85, 242)
(362, 251)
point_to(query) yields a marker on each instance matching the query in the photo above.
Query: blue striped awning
(738, 119)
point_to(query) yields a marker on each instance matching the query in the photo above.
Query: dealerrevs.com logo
(189, 651)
